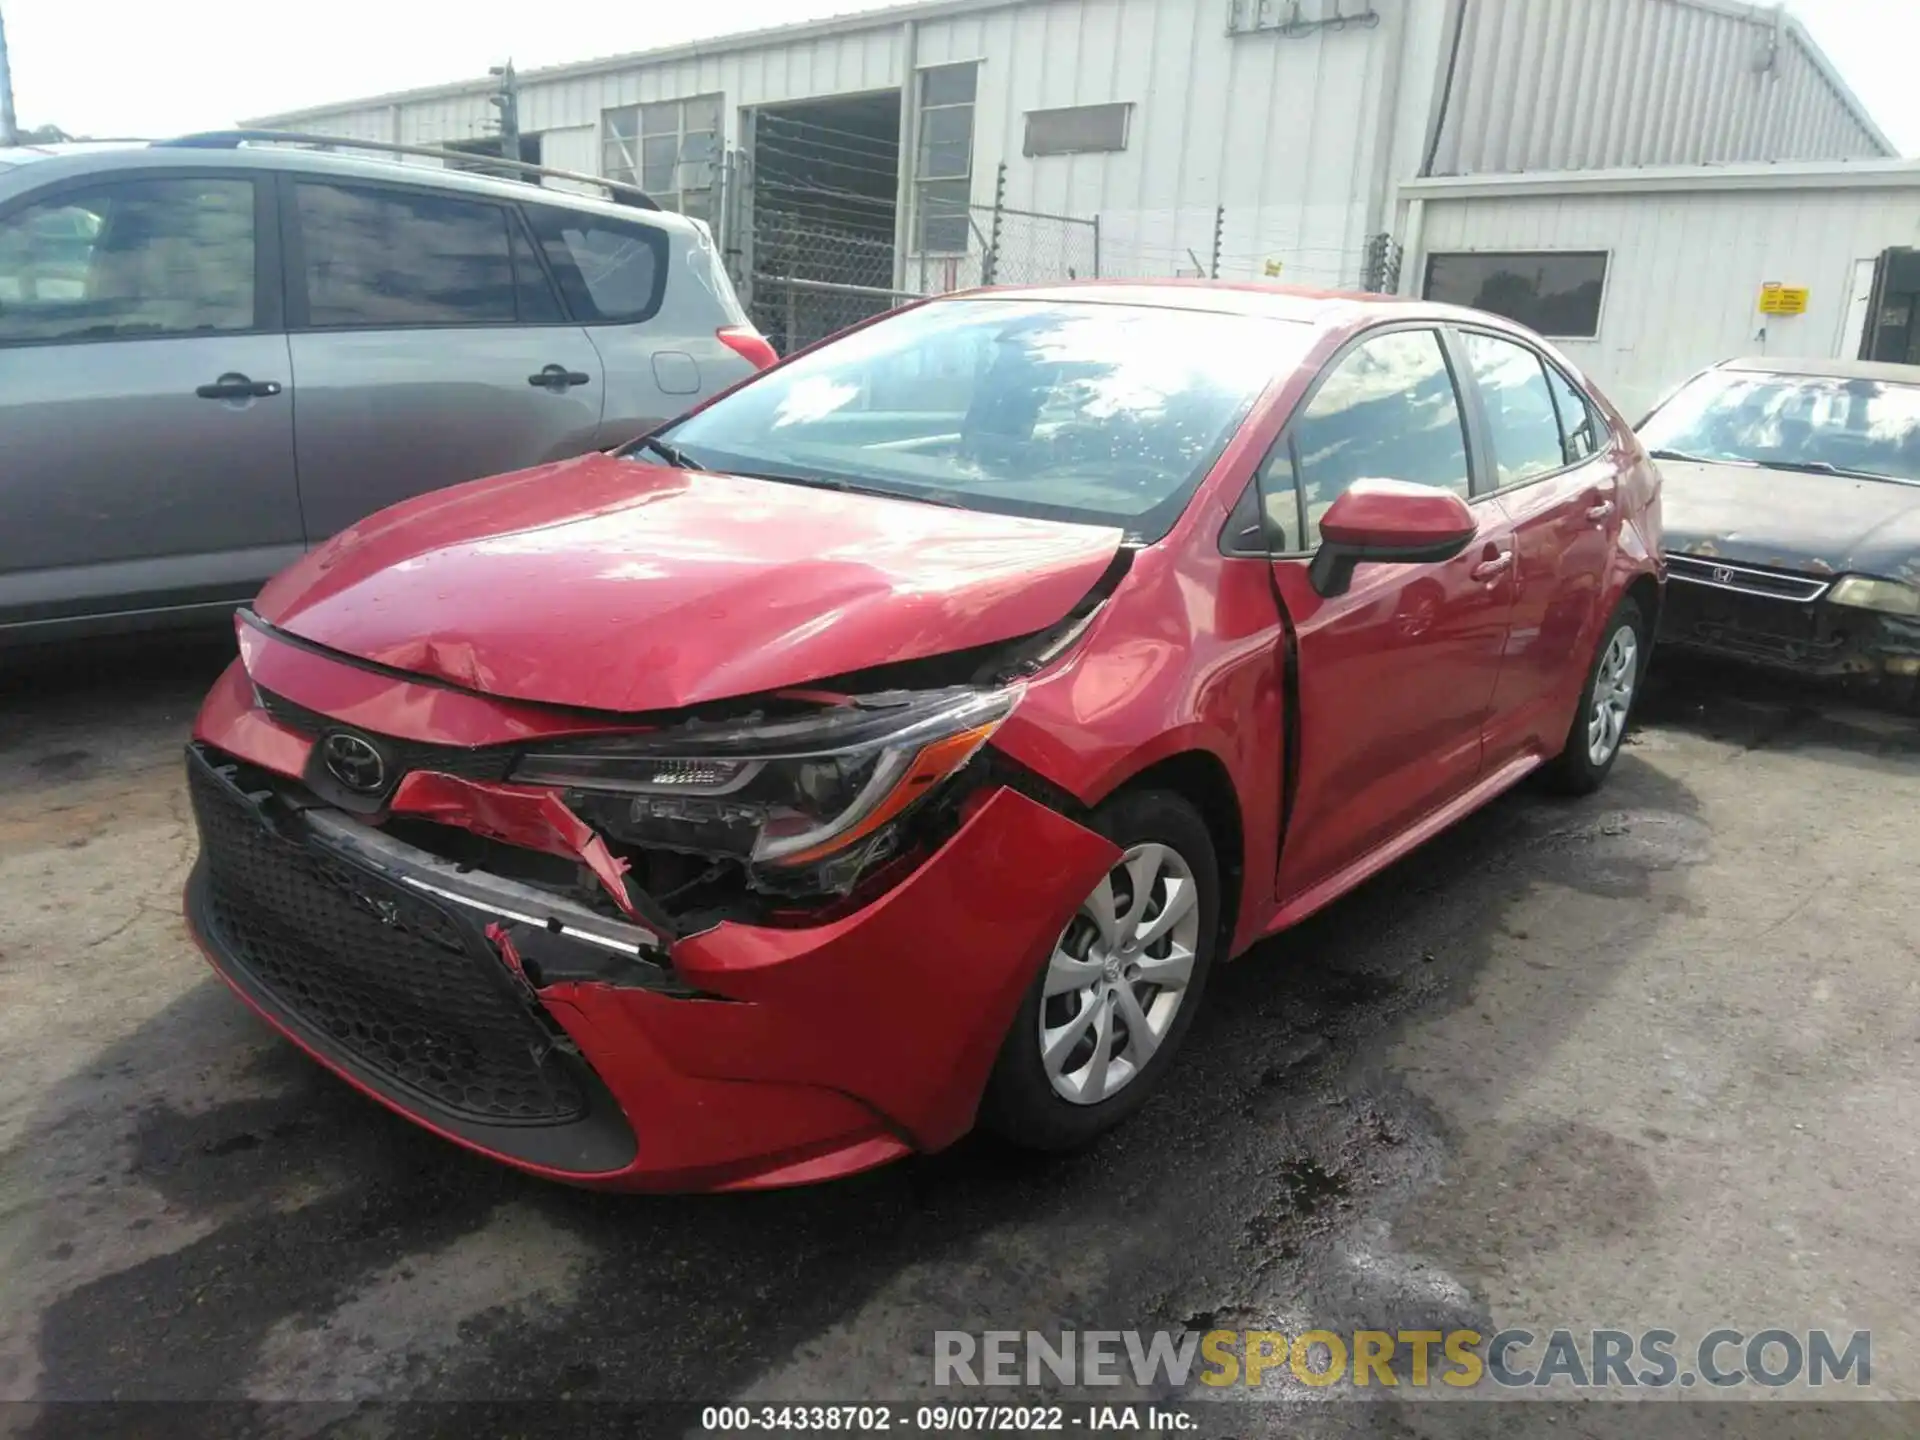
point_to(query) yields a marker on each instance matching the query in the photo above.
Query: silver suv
(215, 355)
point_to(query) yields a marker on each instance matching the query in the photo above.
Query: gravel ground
(1646, 1060)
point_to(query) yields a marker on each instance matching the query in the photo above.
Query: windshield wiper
(1692, 459)
(672, 454)
(849, 487)
(1825, 467)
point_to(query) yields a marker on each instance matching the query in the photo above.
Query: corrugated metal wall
(1286, 134)
(1600, 84)
(1686, 267)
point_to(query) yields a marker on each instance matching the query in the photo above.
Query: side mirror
(1388, 521)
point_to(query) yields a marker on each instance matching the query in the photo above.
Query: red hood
(612, 585)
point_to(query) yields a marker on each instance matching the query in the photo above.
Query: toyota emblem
(1722, 575)
(354, 763)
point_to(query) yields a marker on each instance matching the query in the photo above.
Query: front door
(1396, 676)
(428, 344)
(146, 405)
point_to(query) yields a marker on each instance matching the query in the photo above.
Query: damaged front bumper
(613, 1052)
(1782, 622)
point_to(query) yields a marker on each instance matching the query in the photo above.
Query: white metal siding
(1604, 84)
(1684, 279)
(1283, 133)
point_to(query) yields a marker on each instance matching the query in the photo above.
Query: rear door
(645, 295)
(1396, 676)
(1560, 488)
(429, 345)
(146, 407)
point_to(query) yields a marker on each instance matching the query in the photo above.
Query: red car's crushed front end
(617, 1045)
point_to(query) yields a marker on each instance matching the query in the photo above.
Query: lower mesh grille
(386, 975)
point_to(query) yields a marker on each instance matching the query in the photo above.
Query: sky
(136, 67)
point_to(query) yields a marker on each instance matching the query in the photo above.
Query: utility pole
(9, 134)
(506, 99)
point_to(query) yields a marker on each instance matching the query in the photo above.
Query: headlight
(1890, 597)
(783, 794)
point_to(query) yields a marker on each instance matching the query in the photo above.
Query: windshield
(1106, 414)
(1865, 427)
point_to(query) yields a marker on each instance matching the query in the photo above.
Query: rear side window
(1524, 426)
(127, 259)
(1577, 424)
(612, 272)
(387, 258)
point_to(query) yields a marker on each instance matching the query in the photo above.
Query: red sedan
(897, 741)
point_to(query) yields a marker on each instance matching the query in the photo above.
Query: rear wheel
(1600, 723)
(1100, 1024)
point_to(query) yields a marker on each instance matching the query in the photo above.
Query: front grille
(1746, 580)
(402, 986)
(487, 763)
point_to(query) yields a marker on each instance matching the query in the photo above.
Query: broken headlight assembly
(1863, 592)
(804, 803)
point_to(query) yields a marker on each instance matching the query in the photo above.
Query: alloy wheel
(1613, 695)
(1119, 974)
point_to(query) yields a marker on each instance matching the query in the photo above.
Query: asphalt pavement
(1643, 1060)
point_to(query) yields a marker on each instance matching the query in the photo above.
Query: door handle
(1597, 513)
(558, 377)
(1493, 569)
(235, 386)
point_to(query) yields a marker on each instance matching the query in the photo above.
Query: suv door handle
(1599, 512)
(558, 377)
(235, 386)
(1493, 569)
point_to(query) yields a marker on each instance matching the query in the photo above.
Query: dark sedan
(1792, 505)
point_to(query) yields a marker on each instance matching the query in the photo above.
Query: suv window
(1524, 426)
(611, 271)
(1577, 424)
(129, 258)
(387, 257)
(1387, 411)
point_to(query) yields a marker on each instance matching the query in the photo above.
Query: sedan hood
(1788, 520)
(609, 584)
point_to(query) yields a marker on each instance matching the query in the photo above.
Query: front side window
(670, 149)
(1523, 424)
(1556, 293)
(945, 182)
(1387, 411)
(1105, 414)
(1821, 423)
(128, 259)
(387, 258)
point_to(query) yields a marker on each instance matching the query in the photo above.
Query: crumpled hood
(1783, 519)
(609, 584)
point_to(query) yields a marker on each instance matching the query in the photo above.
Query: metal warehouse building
(1563, 160)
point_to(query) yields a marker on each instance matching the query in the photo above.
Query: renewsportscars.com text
(1722, 1358)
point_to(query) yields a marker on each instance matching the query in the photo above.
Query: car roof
(79, 160)
(1302, 304)
(1827, 369)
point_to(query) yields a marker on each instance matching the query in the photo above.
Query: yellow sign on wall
(1778, 299)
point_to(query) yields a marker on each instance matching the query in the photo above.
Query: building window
(945, 171)
(671, 150)
(1556, 293)
(1077, 130)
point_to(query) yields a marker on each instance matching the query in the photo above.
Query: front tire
(1606, 704)
(1099, 1026)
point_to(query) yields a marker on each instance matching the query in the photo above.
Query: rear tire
(1606, 704)
(1077, 1062)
